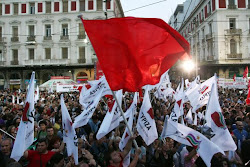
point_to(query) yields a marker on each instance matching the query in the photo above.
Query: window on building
(1, 31)
(90, 4)
(82, 54)
(65, 29)
(242, 4)
(0, 9)
(210, 28)
(23, 8)
(108, 4)
(40, 7)
(233, 46)
(7, 8)
(47, 53)
(65, 6)
(232, 23)
(99, 5)
(1, 56)
(82, 5)
(32, 8)
(14, 31)
(31, 30)
(231, 2)
(47, 30)
(202, 14)
(65, 53)
(48, 7)
(15, 55)
(81, 31)
(203, 33)
(31, 54)
(209, 7)
(15, 8)
(56, 6)
(73, 5)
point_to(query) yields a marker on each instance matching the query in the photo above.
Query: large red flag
(134, 52)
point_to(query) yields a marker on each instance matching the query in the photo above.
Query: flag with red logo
(111, 119)
(69, 133)
(215, 120)
(146, 124)
(88, 111)
(245, 74)
(204, 147)
(145, 48)
(25, 133)
(200, 95)
(90, 94)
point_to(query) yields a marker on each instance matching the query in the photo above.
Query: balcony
(234, 56)
(2, 63)
(14, 39)
(81, 36)
(47, 38)
(233, 32)
(14, 62)
(209, 36)
(66, 37)
(210, 58)
(81, 61)
(31, 38)
(43, 62)
(231, 6)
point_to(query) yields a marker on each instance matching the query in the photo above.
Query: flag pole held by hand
(125, 120)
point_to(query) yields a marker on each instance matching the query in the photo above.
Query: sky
(158, 9)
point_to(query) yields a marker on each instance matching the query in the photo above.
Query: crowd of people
(49, 150)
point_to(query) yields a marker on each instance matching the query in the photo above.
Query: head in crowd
(57, 160)
(42, 125)
(6, 146)
(42, 146)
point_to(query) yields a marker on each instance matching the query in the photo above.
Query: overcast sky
(164, 9)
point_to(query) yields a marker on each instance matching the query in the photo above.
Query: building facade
(47, 37)
(219, 35)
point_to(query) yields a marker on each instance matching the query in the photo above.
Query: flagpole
(8, 134)
(125, 120)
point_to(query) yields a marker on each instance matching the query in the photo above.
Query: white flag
(91, 93)
(37, 94)
(132, 107)
(216, 122)
(171, 131)
(13, 99)
(69, 134)
(25, 133)
(200, 95)
(189, 116)
(88, 111)
(204, 147)
(146, 124)
(111, 119)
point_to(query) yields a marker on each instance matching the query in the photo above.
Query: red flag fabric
(134, 52)
(234, 77)
(245, 74)
(248, 97)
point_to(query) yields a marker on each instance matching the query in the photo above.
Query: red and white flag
(204, 147)
(132, 107)
(215, 120)
(90, 94)
(245, 74)
(111, 119)
(248, 97)
(69, 133)
(146, 124)
(200, 96)
(25, 133)
(147, 47)
(88, 111)
(234, 78)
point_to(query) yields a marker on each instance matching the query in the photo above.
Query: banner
(67, 87)
(239, 83)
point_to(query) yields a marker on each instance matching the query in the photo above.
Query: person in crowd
(240, 134)
(42, 131)
(6, 146)
(40, 156)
